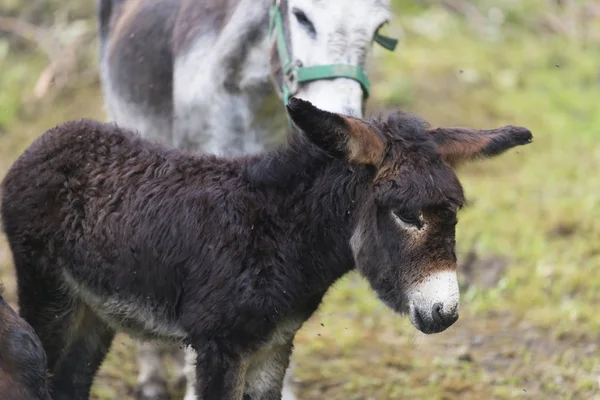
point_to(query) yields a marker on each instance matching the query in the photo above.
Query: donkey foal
(111, 232)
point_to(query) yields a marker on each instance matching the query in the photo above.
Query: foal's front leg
(220, 372)
(266, 371)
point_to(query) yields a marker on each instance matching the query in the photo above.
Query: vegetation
(529, 239)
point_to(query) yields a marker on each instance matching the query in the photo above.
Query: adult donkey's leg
(189, 370)
(288, 386)
(152, 384)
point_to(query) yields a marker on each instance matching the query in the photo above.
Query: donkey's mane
(300, 160)
(287, 163)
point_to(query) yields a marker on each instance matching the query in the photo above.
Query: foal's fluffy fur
(111, 232)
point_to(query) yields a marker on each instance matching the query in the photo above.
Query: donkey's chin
(425, 322)
(324, 94)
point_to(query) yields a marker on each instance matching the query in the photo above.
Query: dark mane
(287, 164)
(430, 181)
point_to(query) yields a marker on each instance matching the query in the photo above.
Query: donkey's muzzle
(433, 320)
(434, 302)
(442, 317)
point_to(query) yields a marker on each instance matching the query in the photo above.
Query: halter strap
(294, 73)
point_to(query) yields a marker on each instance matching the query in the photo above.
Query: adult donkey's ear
(458, 145)
(338, 135)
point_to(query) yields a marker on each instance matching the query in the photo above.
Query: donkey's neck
(316, 194)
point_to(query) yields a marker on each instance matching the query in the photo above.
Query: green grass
(16, 73)
(532, 335)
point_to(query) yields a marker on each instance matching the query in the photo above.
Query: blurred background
(529, 239)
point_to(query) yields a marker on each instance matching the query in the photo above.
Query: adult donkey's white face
(334, 32)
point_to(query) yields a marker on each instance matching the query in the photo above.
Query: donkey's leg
(178, 355)
(152, 384)
(288, 392)
(189, 370)
(74, 339)
(220, 372)
(266, 372)
(89, 342)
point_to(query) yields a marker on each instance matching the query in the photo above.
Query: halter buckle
(291, 77)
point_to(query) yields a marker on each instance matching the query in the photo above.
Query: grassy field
(529, 240)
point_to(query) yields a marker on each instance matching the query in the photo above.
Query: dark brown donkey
(110, 232)
(22, 358)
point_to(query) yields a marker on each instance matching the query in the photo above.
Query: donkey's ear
(458, 145)
(339, 135)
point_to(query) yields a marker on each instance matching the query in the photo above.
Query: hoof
(153, 390)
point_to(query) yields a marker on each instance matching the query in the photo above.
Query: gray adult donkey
(210, 75)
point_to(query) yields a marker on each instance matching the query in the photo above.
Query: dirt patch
(505, 350)
(480, 357)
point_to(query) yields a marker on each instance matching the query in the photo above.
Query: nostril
(437, 313)
(441, 318)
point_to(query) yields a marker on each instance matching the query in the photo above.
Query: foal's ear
(339, 135)
(458, 145)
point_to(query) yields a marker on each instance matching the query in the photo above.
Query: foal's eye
(304, 21)
(409, 218)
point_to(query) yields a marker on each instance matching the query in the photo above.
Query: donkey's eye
(305, 22)
(408, 218)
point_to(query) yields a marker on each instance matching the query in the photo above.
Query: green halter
(293, 73)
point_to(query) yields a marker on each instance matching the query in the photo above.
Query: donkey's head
(326, 44)
(404, 225)
(22, 358)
